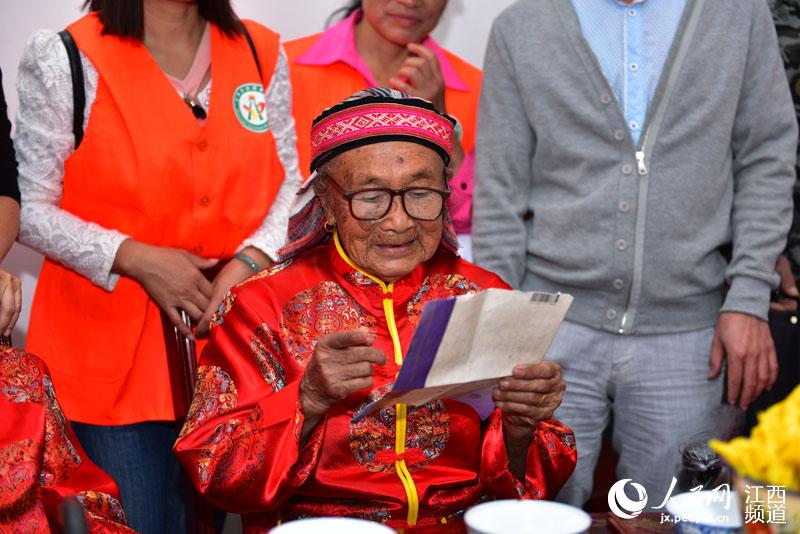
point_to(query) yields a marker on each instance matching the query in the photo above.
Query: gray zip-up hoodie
(564, 201)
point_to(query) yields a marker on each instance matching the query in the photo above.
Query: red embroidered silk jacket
(403, 466)
(41, 460)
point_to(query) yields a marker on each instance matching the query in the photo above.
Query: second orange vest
(318, 87)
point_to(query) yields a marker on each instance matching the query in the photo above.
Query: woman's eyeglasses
(422, 203)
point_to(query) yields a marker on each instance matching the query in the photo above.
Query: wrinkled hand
(341, 364)
(532, 393)
(10, 302)
(235, 271)
(788, 286)
(170, 276)
(746, 341)
(420, 75)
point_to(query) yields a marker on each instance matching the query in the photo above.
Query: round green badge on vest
(250, 106)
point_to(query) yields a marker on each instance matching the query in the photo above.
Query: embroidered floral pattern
(358, 278)
(225, 306)
(102, 505)
(372, 439)
(307, 459)
(441, 501)
(311, 314)
(438, 286)
(21, 376)
(23, 379)
(233, 456)
(361, 509)
(26, 516)
(567, 439)
(266, 273)
(217, 318)
(214, 394)
(18, 468)
(61, 459)
(267, 349)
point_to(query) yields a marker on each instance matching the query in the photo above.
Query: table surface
(602, 523)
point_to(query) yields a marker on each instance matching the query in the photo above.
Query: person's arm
(44, 141)
(10, 286)
(525, 452)
(241, 442)
(505, 144)
(263, 244)
(538, 472)
(793, 241)
(9, 224)
(764, 144)
(9, 188)
(785, 268)
(271, 235)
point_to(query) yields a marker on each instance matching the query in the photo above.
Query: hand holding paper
(463, 346)
(530, 394)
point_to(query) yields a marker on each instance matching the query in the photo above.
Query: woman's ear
(322, 190)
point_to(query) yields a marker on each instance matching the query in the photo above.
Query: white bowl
(524, 517)
(331, 525)
(701, 512)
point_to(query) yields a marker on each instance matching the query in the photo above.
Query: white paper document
(463, 346)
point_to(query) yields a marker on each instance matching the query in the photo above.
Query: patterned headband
(371, 116)
(376, 116)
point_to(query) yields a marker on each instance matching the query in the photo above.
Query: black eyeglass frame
(348, 195)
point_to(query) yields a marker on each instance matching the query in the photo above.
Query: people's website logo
(621, 505)
(765, 505)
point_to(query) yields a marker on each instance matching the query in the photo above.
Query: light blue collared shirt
(631, 43)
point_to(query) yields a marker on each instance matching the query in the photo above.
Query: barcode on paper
(545, 298)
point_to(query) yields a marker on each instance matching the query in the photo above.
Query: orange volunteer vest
(147, 168)
(317, 87)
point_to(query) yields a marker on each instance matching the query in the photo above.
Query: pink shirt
(338, 44)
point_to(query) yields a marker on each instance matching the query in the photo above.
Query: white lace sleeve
(271, 235)
(43, 141)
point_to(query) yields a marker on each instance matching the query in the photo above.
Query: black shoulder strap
(78, 92)
(255, 54)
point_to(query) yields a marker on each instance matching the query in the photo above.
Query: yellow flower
(772, 452)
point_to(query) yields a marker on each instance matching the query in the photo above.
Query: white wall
(463, 29)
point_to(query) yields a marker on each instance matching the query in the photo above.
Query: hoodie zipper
(642, 155)
(641, 163)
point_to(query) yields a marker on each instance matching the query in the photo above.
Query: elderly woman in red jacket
(296, 351)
